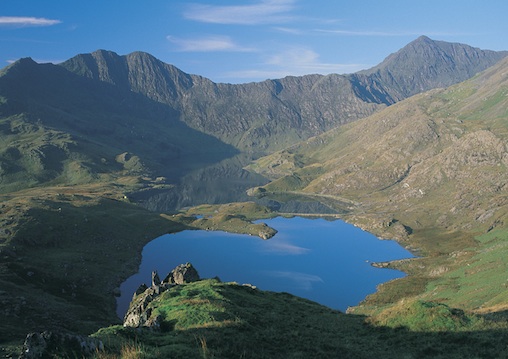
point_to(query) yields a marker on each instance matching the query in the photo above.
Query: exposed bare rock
(184, 273)
(50, 344)
(139, 313)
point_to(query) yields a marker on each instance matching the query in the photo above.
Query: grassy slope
(90, 233)
(430, 171)
(210, 319)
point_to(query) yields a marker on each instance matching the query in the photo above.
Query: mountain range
(94, 107)
(413, 149)
(430, 171)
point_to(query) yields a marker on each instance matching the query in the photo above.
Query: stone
(139, 313)
(51, 344)
(140, 289)
(155, 279)
(184, 273)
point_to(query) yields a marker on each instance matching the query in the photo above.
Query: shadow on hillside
(344, 337)
(107, 120)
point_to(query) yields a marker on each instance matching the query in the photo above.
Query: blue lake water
(325, 261)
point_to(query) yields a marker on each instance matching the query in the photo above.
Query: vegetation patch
(231, 217)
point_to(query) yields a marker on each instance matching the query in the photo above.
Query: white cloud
(363, 33)
(288, 30)
(387, 33)
(264, 12)
(208, 44)
(27, 21)
(296, 61)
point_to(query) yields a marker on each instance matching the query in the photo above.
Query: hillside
(273, 114)
(209, 318)
(83, 143)
(441, 144)
(67, 122)
(430, 171)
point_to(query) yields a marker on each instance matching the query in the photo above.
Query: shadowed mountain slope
(57, 126)
(273, 114)
(77, 139)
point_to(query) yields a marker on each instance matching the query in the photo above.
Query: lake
(325, 261)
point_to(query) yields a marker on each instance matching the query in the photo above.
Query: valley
(103, 153)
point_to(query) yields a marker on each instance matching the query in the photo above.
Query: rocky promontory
(140, 313)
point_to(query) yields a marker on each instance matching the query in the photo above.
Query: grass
(420, 316)
(481, 282)
(58, 257)
(211, 319)
(232, 217)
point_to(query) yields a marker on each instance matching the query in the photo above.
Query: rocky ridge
(273, 114)
(140, 312)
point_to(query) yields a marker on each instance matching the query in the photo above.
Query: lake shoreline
(282, 249)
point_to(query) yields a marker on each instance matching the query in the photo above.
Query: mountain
(66, 129)
(273, 114)
(425, 64)
(80, 142)
(100, 113)
(448, 143)
(253, 117)
(429, 171)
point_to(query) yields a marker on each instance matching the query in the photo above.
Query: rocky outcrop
(52, 345)
(140, 313)
(184, 273)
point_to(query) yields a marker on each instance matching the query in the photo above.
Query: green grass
(210, 319)
(421, 316)
(231, 217)
(481, 283)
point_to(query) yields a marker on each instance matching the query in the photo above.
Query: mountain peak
(425, 63)
(22, 66)
(423, 39)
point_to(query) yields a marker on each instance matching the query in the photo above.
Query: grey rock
(155, 279)
(50, 344)
(184, 273)
(140, 313)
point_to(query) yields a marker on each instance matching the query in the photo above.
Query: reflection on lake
(222, 182)
(325, 261)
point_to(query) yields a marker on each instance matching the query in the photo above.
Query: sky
(245, 41)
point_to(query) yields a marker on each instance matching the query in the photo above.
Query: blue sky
(243, 41)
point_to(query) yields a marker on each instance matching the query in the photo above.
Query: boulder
(139, 313)
(184, 273)
(54, 345)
